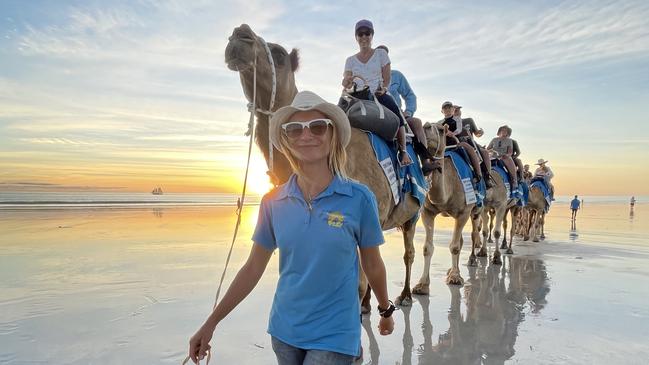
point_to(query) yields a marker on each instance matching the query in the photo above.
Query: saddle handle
(354, 86)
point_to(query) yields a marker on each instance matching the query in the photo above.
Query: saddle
(366, 113)
(465, 157)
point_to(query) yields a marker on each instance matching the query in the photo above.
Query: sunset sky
(128, 95)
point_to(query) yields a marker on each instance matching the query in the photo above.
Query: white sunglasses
(317, 127)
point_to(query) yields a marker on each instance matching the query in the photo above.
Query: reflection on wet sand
(497, 299)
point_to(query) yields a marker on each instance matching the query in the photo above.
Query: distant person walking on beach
(632, 202)
(574, 207)
(319, 221)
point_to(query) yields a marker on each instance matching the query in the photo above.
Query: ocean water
(84, 281)
(71, 199)
(113, 199)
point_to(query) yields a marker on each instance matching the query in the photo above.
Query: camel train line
(272, 69)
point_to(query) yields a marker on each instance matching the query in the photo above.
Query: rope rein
(241, 199)
(252, 106)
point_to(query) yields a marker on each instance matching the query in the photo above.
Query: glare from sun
(258, 180)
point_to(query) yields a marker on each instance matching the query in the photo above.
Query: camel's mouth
(236, 64)
(238, 55)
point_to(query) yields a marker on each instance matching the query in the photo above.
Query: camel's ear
(295, 59)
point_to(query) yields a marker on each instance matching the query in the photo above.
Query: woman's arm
(347, 79)
(517, 150)
(374, 269)
(246, 279)
(386, 75)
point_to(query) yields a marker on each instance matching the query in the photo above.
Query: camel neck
(437, 192)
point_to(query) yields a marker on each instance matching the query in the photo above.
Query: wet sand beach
(130, 286)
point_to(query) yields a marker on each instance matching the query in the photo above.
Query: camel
(246, 49)
(446, 197)
(536, 206)
(496, 200)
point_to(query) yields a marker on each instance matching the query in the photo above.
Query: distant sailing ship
(156, 191)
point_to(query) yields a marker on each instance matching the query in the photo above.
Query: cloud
(143, 81)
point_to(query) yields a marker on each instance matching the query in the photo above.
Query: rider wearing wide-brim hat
(503, 146)
(544, 171)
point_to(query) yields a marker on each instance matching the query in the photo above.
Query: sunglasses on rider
(317, 127)
(365, 33)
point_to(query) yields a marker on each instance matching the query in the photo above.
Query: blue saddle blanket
(402, 179)
(525, 194)
(541, 184)
(472, 193)
(520, 192)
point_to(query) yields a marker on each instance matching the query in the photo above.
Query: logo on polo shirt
(335, 219)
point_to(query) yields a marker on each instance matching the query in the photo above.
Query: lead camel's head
(244, 50)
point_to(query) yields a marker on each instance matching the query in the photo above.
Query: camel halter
(251, 134)
(252, 106)
(439, 144)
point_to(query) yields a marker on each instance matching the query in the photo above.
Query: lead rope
(252, 107)
(240, 200)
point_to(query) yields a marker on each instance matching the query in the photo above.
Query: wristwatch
(386, 313)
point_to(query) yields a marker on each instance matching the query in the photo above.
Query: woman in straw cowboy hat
(504, 147)
(544, 172)
(319, 221)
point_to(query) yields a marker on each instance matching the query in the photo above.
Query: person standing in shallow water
(319, 221)
(574, 207)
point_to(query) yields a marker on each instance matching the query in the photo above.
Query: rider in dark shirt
(470, 129)
(452, 139)
(519, 164)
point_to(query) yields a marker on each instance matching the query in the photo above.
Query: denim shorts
(289, 355)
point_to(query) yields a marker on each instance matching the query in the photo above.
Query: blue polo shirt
(316, 303)
(574, 204)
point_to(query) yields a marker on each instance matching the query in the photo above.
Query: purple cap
(364, 24)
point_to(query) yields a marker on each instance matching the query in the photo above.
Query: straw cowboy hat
(541, 161)
(305, 101)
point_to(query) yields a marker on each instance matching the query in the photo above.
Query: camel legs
(476, 221)
(499, 212)
(528, 225)
(453, 276)
(486, 216)
(515, 211)
(505, 223)
(491, 225)
(535, 226)
(542, 225)
(428, 218)
(408, 230)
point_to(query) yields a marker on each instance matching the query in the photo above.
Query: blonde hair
(337, 159)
